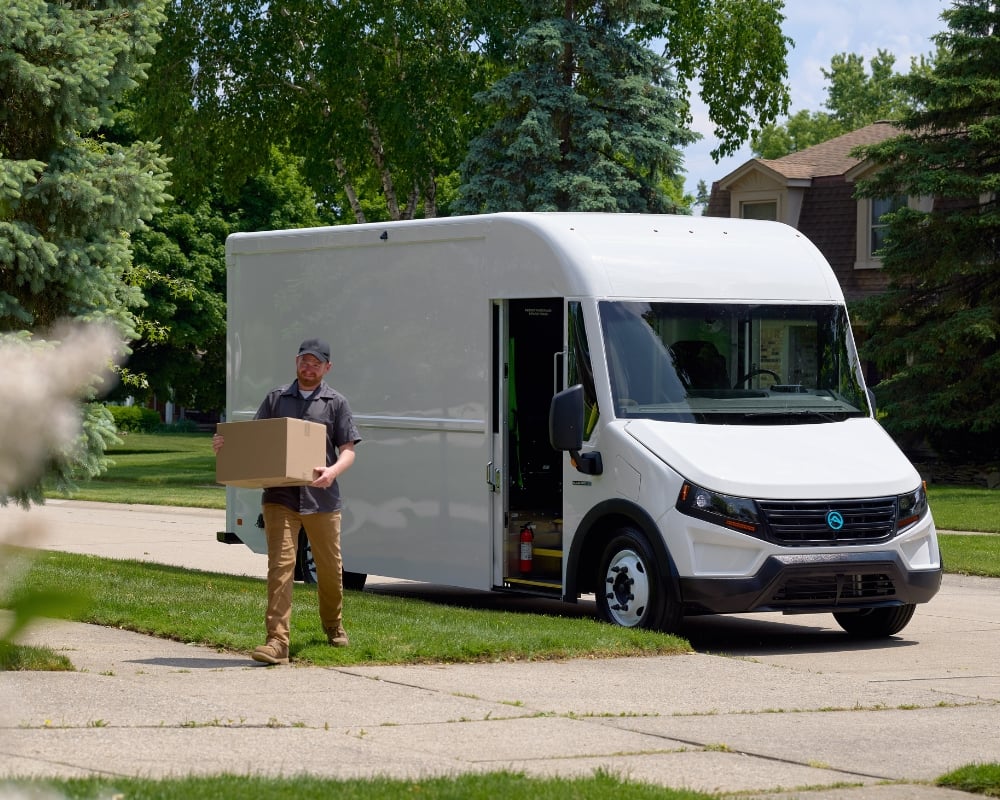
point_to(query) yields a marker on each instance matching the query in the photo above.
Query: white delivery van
(717, 448)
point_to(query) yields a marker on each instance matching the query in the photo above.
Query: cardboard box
(270, 452)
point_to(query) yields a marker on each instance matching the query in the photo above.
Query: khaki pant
(282, 524)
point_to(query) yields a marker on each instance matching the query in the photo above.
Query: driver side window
(581, 368)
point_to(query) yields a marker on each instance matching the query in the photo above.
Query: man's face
(310, 370)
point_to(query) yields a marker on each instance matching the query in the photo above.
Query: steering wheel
(753, 372)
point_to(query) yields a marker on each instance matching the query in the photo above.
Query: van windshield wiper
(805, 414)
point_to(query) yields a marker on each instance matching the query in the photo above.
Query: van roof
(605, 255)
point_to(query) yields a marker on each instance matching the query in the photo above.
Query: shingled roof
(830, 157)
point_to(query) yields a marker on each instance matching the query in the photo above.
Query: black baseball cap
(315, 347)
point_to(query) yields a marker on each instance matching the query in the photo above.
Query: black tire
(875, 623)
(631, 591)
(305, 567)
(355, 581)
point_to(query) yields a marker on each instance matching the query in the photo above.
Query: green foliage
(857, 99)
(184, 426)
(165, 469)
(736, 50)
(480, 786)
(981, 779)
(134, 418)
(70, 200)
(590, 121)
(22, 658)
(854, 99)
(375, 96)
(965, 508)
(936, 332)
(971, 555)
(385, 629)
(180, 267)
(801, 130)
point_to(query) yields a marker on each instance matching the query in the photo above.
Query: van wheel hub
(627, 588)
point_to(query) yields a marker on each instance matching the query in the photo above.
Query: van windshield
(732, 363)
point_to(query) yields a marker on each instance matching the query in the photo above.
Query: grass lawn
(160, 469)
(507, 785)
(965, 508)
(225, 611)
(981, 779)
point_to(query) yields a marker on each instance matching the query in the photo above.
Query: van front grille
(834, 589)
(830, 522)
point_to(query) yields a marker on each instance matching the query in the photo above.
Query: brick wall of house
(829, 217)
(718, 202)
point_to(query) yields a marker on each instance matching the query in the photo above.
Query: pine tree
(68, 199)
(591, 121)
(936, 332)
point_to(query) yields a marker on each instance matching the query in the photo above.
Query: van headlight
(738, 513)
(910, 507)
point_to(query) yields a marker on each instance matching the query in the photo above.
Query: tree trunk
(352, 196)
(430, 198)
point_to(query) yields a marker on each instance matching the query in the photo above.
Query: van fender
(595, 531)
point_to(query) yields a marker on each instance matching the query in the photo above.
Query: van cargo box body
(728, 456)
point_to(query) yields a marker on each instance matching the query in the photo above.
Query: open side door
(527, 508)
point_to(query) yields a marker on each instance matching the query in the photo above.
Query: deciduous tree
(854, 99)
(180, 266)
(376, 95)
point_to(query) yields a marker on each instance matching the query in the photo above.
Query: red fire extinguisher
(527, 537)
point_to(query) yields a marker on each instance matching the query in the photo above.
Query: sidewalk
(768, 706)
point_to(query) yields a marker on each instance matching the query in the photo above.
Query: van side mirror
(566, 430)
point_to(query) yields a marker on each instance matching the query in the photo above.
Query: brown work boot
(337, 637)
(274, 652)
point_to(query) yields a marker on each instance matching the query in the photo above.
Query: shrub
(135, 418)
(179, 426)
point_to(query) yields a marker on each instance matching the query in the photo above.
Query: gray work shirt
(325, 406)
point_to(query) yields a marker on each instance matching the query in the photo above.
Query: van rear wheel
(630, 591)
(875, 623)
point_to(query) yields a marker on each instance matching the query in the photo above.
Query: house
(812, 190)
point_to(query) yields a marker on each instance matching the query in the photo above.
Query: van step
(532, 582)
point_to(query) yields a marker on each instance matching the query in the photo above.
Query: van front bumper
(808, 583)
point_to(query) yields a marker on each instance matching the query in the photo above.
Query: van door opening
(532, 364)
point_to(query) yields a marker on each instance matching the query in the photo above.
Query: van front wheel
(875, 623)
(630, 591)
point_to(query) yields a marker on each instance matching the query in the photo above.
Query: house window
(871, 230)
(760, 210)
(879, 209)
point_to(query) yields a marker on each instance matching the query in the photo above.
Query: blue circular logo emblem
(835, 520)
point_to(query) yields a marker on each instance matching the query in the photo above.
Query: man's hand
(325, 476)
(217, 441)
